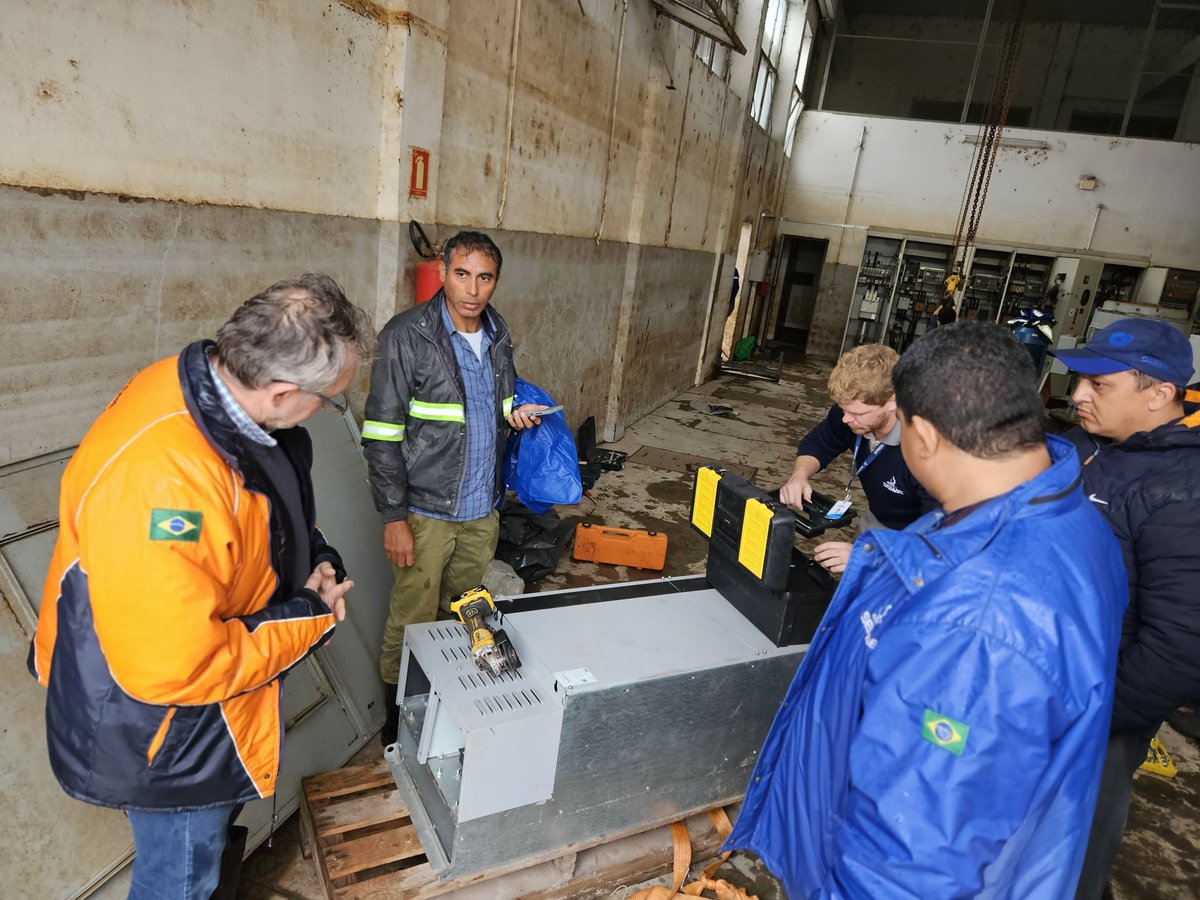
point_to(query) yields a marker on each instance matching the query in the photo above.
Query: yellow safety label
(706, 499)
(756, 526)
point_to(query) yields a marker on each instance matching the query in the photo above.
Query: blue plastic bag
(541, 464)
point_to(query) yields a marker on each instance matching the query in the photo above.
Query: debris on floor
(532, 543)
(1158, 761)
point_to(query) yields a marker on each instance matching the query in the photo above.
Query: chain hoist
(987, 147)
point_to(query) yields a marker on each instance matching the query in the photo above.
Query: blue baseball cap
(1151, 346)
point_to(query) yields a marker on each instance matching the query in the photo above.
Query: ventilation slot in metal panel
(451, 654)
(510, 702)
(472, 681)
(486, 680)
(446, 633)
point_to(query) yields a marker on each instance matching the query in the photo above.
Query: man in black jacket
(438, 417)
(863, 419)
(1140, 448)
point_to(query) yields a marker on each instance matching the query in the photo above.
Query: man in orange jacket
(189, 576)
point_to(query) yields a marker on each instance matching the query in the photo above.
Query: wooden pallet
(361, 838)
(353, 823)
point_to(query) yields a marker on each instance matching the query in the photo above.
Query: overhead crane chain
(1013, 47)
(988, 144)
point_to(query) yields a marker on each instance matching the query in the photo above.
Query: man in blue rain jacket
(944, 735)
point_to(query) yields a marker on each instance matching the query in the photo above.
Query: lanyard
(866, 462)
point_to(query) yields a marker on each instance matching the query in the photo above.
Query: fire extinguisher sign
(418, 179)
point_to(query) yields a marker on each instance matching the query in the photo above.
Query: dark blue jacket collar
(204, 403)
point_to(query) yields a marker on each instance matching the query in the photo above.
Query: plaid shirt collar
(246, 426)
(485, 321)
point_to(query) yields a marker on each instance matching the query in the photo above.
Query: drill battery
(620, 546)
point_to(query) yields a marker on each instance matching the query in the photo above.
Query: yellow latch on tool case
(705, 501)
(756, 528)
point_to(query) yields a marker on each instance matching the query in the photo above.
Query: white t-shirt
(475, 339)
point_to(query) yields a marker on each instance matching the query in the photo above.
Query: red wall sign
(418, 179)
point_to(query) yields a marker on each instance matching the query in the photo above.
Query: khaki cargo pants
(448, 558)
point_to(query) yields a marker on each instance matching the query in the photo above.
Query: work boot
(391, 721)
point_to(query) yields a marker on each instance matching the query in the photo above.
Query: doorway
(803, 259)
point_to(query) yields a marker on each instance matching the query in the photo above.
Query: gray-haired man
(189, 575)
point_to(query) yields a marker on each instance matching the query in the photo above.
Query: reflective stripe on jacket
(943, 737)
(414, 433)
(170, 609)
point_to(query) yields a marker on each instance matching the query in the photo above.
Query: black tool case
(752, 560)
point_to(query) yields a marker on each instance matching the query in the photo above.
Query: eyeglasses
(328, 401)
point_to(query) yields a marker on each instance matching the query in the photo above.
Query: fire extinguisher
(429, 276)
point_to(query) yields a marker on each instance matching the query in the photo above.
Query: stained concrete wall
(272, 104)
(910, 176)
(165, 160)
(95, 287)
(548, 287)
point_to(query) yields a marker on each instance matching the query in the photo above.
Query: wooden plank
(630, 871)
(341, 782)
(308, 840)
(361, 812)
(411, 884)
(344, 862)
(358, 854)
(318, 850)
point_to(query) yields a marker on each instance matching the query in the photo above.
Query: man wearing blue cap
(1140, 448)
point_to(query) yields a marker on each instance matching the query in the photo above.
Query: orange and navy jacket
(175, 599)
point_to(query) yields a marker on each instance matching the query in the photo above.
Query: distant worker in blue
(862, 419)
(944, 735)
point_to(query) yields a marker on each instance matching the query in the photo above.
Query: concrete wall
(273, 104)
(910, 176)
(94, 287)
(165, 160)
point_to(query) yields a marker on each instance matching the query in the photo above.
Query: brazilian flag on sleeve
(175, 525)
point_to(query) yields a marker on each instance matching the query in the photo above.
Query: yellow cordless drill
(493, 651)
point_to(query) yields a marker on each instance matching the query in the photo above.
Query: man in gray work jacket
(437, 421)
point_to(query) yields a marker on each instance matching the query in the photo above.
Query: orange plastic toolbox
(620, 546)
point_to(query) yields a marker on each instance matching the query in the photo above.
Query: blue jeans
(1126, 753)
(179, 853)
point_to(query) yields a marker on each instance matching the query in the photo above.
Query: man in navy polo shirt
(1140, 447)
(863, 419)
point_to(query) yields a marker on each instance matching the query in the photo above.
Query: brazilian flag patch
(945, 732)
(175, 525)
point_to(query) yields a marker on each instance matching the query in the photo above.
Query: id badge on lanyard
(857, 473)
